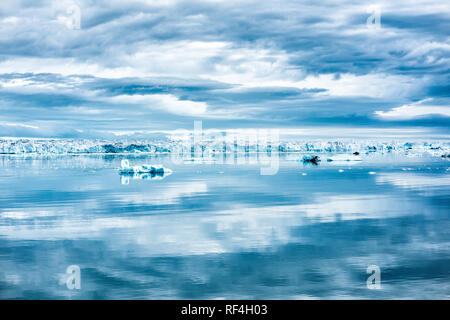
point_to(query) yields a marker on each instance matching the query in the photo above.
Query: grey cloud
(293, 40)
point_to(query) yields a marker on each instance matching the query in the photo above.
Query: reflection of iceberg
(344, 157)
(125, 177)
(146, 168)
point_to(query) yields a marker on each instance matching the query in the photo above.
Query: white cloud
(166, 102)
(371, 85)
(414, 110)
(22, 125)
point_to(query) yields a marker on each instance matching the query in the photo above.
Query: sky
(109, 68)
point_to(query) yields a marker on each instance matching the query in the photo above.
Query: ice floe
(126, 168)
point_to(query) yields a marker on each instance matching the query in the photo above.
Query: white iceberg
(344, 157)
(146, 168)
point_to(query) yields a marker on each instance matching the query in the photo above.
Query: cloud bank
(92, 68)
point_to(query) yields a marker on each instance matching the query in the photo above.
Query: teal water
(213, 230)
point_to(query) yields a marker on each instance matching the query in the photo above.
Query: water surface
(213, 230)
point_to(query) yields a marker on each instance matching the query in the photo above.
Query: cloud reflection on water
(204, 235)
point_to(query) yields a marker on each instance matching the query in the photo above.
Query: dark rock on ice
(311, 159)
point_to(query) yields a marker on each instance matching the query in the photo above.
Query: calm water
(214, 230)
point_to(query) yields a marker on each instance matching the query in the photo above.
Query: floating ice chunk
(340, 170)
(146, 168)
(125, 164)
(372, 172)
(158, 169)
(311, 159)
(344, 157)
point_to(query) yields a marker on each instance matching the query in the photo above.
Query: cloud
(231, 63)
(414, 110)
(163, 101)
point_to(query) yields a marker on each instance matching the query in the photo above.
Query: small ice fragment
(125, 164)
(372, 172)
(344, 157)
(340, 170)
(304, 174)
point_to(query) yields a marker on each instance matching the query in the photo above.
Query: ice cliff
(84, 146)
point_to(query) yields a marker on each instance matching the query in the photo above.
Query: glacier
(38, 146)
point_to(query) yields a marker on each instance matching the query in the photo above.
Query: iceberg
(144, 169)
(344, 157)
